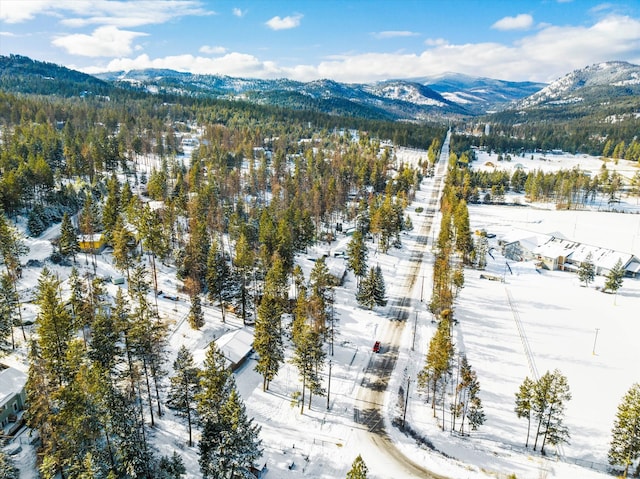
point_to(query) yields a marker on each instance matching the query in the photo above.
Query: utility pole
(406, 402)
(422, 289)
(415, 324)
(329, 386)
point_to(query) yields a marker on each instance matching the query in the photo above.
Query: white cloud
(277, 23)
(394, 34)
(16, 11)
(434, 42)
(107, 41)
(543, 56)
(232, 64)
(80, 13)
(209, 50)
(7, 34)
(238, 12)
(519, 22)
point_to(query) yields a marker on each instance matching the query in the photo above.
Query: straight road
(369, 402)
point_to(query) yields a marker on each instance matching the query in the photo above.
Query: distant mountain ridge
(394, 99)
(608, 87)
(450, 94)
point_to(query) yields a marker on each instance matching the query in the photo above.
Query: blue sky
(344, 40)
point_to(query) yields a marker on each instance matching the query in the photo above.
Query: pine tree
(358, 469)
(524, 406)
(267, 340)
(7, 467)
(184, 387)
(379, 290)
(229, 443)
(171, 467)
(218, 276)
(614, 278)
(438, 359)
(68, 242)
(357, 256)
(308, 357)
(551, 392)
(111, 210)
(366, 294)
(587, 270)
(89, 223)
(243, 261)
(196, 315)
(124, 249)
(54, 327)
(147, 336)
(8, 312)
(153, 240)
(624, 448)
(467, 403)
(463, 241)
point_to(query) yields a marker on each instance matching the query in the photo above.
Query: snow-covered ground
(559, 318)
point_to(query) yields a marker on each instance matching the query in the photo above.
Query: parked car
(376, 347)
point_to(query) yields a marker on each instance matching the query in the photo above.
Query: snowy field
(559, 318)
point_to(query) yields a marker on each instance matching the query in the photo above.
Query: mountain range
(611, 86)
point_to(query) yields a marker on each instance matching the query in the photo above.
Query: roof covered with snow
(12, 382)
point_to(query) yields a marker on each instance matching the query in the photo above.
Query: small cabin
(91, 243)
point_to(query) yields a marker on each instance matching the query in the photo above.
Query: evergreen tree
(37, 221)
(624, 448)
(308, 357)
(379, 290)
(184, 387)
(366, 294)
(171, 467)
(467, 404)
(243, 261)
(196, 315)
(438, 360)
(463, 241)
(218, 276)
(8, 312)
(124, 249)
(229, 443)
(551, 392)
(267, 340)
(357, 256)
(614, 278)
(147, 336)
(7, 467)
(111, 210)
(11, 248)
(358, 469)
(153, 240)
(68, 242)
(524, 403)
(54, 327)
(89, 223)
(587, 270)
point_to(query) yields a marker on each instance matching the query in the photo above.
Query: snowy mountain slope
(592, 83)
(479, 94)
